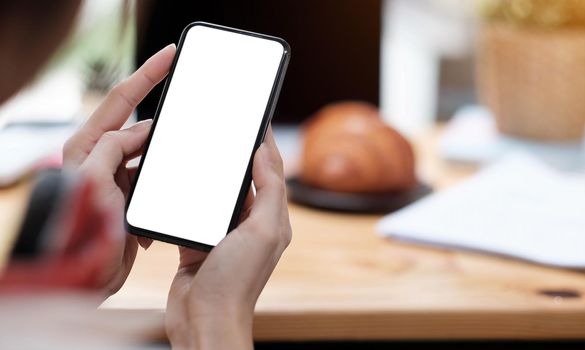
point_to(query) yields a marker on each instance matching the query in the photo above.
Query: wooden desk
(339, 280)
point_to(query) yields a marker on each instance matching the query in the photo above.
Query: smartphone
(214, 111)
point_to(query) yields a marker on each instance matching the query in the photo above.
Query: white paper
(517, 207)
(56, 98)
(22, 146)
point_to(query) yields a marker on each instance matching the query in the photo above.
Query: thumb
(114, 146)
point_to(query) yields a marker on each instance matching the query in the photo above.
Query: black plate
(354, 202)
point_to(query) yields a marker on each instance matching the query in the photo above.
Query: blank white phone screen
(205, 134)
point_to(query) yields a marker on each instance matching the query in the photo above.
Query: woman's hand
(212, 298)
(101, 150)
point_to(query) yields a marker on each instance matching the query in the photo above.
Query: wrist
(222, 330)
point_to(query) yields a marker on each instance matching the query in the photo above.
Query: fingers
(190, 260)
(248, 203)
(230, 279)
(132, 174)
(269, 139)
(124, 97)
(114, 146)
(268, 175)
(267, 213)
(118, 104)
(249, 198)
(144, 242)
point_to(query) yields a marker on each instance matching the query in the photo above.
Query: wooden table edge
(405, 325)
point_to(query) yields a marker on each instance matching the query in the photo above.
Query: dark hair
(30, 32)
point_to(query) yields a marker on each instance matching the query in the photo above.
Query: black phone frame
(247, 181)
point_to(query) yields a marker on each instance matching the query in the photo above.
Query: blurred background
(420, 61)
(480, 146)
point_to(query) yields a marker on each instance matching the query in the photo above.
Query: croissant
(348, 148)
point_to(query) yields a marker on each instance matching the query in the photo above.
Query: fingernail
(144, 242)
(142, 124)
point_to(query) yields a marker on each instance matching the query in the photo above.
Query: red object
(85, 240)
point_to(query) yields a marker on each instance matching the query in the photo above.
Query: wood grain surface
(13, 201)
(340, 280)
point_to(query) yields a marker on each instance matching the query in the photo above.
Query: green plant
(100, 75)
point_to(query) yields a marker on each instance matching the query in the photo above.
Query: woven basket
(533, 80)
